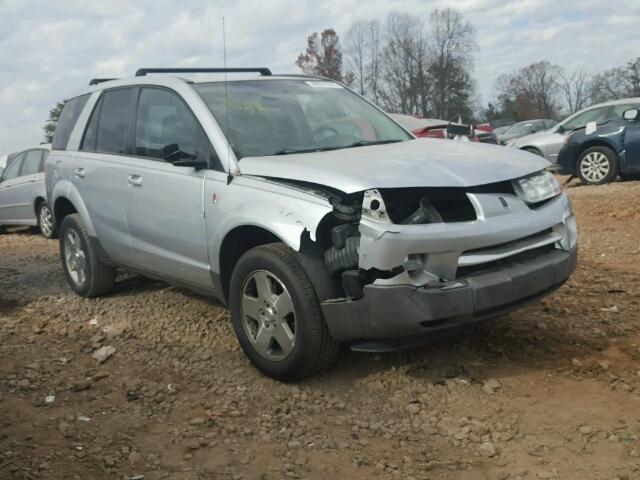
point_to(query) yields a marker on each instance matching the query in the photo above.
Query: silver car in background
(549, 142)
(23, 196)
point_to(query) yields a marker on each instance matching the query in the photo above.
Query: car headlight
(538, 187)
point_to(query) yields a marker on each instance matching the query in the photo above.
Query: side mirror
(177, 158)
(558, 129)
(631, 114)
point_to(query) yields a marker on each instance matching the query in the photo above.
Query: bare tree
(530, 92)
(576, 89)
(452, 42)
(619, 82)
(357, 52)
(405, 65)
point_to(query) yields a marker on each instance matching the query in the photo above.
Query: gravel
(551, 391)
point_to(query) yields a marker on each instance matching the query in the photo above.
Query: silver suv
(313, 215)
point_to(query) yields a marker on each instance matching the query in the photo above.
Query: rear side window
(67, 120)
(13, 168)
(32, 163)
(107, 128)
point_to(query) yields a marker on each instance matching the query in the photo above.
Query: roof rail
(265, 72)
(96, 81)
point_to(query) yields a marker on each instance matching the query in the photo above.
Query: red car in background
(435, 128)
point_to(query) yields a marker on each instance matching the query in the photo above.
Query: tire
(3, 229)
(46, 224)
(597, 166)
(77, 250)
(285, 286)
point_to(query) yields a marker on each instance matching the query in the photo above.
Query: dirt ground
(548, 392)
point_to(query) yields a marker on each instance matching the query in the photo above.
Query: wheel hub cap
(75, 257)
(46, 222)
(594, 166)
(268, 316)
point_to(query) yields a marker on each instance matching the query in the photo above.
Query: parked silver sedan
(23, 192)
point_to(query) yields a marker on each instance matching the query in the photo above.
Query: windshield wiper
(361, 143)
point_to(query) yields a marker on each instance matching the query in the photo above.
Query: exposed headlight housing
(538, 187)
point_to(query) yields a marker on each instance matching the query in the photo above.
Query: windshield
(270, 117)
(520, 128)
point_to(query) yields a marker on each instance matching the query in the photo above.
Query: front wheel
(45, 221)
(276, 315)
(597, 166)
(85, 272)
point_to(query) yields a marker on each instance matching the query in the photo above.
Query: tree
(576, 89)
(452, 42)
(50, 127)
(618, 82)
(532, 91)
(404, 66)
(324, 57)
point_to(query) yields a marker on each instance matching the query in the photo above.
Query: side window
(67, 120)
(32, 163)
(618, 110)
(107, 128)
(581, 120)
(13, 169)
(164, 124)
(91, 131)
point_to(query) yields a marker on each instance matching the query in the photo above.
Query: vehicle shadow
(505, 346)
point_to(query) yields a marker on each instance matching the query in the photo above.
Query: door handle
(80, 172)
(135, 180)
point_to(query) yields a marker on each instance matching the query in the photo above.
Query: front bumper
(392, 317)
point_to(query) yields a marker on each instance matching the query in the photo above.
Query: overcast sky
(49, 49)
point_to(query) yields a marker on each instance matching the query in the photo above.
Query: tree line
(402, 64)
(408, 65)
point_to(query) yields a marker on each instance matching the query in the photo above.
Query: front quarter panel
(283, 211)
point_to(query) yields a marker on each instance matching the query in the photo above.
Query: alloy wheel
(268, 315)
(75, 257)
(595, 166)
(46, 220)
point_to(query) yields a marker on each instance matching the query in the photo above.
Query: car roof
(163, 79)
(620, 101)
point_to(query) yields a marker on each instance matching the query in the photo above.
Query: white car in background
(549, 142)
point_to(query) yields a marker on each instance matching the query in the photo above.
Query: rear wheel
(45, 221)
(597, 166)
(86, 274)
(276, 315)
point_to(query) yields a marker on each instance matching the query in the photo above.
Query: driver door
(164, 203)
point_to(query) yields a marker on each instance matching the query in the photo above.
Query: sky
(50, 49)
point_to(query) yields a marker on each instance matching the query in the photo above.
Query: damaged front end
(412, 260)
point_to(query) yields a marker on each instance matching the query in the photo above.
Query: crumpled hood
(422, 162)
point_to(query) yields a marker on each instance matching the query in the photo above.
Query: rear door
(98, 170)
(9, 195)
(164, 203)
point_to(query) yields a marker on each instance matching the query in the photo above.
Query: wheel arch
(39, 200)
(596, 142)
(235, 243)
(67, 200)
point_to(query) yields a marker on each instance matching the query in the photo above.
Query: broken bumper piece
(393, 317)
